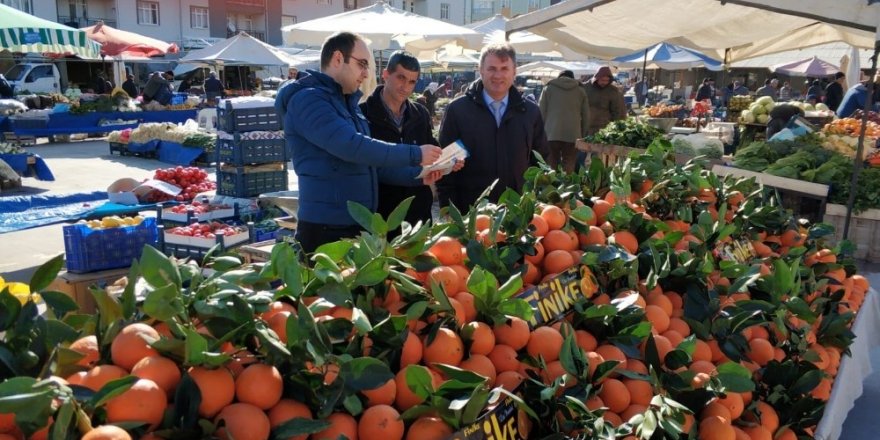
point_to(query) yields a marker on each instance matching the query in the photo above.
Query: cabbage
(764, 100)
(756, 108)
(747, 117)
(822, 107)
(762, 119)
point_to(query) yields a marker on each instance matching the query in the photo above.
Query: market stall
(95, 122)
(21, 32)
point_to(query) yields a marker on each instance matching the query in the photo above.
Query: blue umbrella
(669, 57)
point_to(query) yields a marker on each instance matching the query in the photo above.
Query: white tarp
(240, 50)
(552, 68)
(832, 52)
(611, 28)
(859, 14)
(493, 29)
(381, 25)
(810, 67)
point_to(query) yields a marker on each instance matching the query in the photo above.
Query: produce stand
(794, 193)
(69, 123)
(610, 154)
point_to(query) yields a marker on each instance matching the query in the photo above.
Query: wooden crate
(805, 199)
(76, 285)
(864, 230)
(611, 154)
(257, 252)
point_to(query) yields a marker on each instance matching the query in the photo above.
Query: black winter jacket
(502, 153)
(417, 130)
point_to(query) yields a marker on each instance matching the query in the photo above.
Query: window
(483, 5)
(246, 24)
(534, 4)
(198, 17)
(505, 3)
(350, 5)
(21, 5)
(78, 8)
(148, 13)
(324, 2)
(287, 20)
(39, 72)
(444, 11)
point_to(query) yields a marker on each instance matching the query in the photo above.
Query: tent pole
(857, 163)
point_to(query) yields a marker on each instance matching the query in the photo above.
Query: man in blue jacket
(334, 157)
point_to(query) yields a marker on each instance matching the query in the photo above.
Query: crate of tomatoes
(191, 180)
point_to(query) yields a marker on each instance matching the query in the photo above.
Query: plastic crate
(89, 250)
(232, 120)
(118, 148)
(243, 182)
(238, 151)
(194, 247)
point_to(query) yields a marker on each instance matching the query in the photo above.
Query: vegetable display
(628, 132)
(191, 180)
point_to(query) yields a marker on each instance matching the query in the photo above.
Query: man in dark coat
(393, 118)
(834, 91)
(130, 87)
(499, 128)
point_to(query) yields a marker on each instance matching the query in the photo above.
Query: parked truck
(56, 77)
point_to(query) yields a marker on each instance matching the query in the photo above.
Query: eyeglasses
(364, 64)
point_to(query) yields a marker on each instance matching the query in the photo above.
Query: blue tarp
(66, 123)
(19, 163)
(24, 212)
(177, 154)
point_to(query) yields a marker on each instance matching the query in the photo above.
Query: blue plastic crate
(238, 151)
(243, 182)
(232, 120)
(90, 250)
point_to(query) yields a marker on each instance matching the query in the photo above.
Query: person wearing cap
(130, 87)
(566, 115)
(499, 128)
(834, 91)
(334, 156)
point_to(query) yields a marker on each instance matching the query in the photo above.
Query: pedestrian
(130, 87)
(706, 90)
(184, 86)
(430, 94)
(739, 89)
(565, 110)
(855, 97)
(834, 91)
(6, 91)
(158, 88)
(785, 92)
(767, 90)
(606, 104)
(334, 156)
(213, 87)
(815, 91)
(499, 128)
(393, 118)
(100, 86)
(292, 72)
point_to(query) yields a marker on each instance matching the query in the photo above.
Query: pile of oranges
(251, 393)
(851, 127)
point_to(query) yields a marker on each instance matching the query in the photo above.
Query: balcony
(260, 3)
(81, 22)
(260, 35)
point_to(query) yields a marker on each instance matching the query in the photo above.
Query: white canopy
(552, 68)
(240, 50)
(610, 28)
(810, 67)
(303, 58)
(382, 24)
(445, 62)
(494, 28)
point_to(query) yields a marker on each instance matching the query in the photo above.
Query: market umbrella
(493, 30)
(552, 68)
(668, 57)
(116, 42)
(382, 24)
(240, 50)
(23, 33)
(810, 67)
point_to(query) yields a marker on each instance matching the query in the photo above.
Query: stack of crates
(249, 167)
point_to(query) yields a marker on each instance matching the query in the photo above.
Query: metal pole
(857, 163)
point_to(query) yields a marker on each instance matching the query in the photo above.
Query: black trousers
(312, 235)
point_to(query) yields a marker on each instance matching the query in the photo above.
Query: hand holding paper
(451, 159)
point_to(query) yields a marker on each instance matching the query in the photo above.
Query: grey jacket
(565, 109)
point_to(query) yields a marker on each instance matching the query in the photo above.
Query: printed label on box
(504, 422)
(555, 298)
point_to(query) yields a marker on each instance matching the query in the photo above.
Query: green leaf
(158, 270)
(163, 303)
(582, 215)
(187, 399)
(111, 390)
(10, 307)
(474, 408)
(511, 287)
(298, 426)
(460, 375)
(108, 306)
(362, 216)
(480, 282)
(365, 373)
(128, 298)
(46, 273)
(62, 425)
(336, 293)
(806, 382)
(58, 332)
(419, 381)
(372, 273)
(399, 214)
(196, 346)
(746, 280)
(336, 250)
(572, 357)
(225, 263)
(735, 377)
(59, 303)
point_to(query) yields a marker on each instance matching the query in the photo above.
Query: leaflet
(451, 154)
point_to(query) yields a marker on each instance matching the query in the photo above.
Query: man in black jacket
(499, 128)
(834, 91)
(392, 117)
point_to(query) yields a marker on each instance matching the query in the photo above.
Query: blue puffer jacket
(333, 155)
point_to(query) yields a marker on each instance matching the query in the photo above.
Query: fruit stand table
(69, 123)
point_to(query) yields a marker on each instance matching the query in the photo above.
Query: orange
(734, 403)
(632, 411)
(702, 351)
(626, 240)
(504, 358)
(509, 380)
(558, 261)
(554, 216)
(758, 432)
(382, 395)
(554, 371)
(429, 428)
(786, 434)
(823, 390)
(243, 421)
(259, 385)
(88, 347)
(446, 348)
(447, 277)
(600, 209)
(539, 254)
(275, 307)
(412, 349)
(483, 222)
(538, 226)
(99, 375)
(380, 422)
(545, 342)
(660, 300)
(7, 423)
(559, 240)
(615, 395)
(341, 424)
(133, 344)
(612, 353)
(448, 251)
(217, 388)
(481, 365)
(278, 324)
(466, 299)
(716, 428)
(161, 370)
(640, 391)
(405, 398)
(715, 409)
(107, 432)
(513, 333)
(595, 236)
(767, 415)
(701, 366)
(143, 402)
(286, 410)
(585, 340)
(760, 351)
(658, 318)
(480, 337)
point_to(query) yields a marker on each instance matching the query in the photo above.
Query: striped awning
(50, 42)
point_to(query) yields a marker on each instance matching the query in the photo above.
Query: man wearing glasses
(334, 156)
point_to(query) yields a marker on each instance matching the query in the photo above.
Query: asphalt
(85, 166)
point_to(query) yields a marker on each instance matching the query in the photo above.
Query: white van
(35, 78)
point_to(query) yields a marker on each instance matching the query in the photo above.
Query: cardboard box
(207, 243)
(76, 285)
(213, 214)
(128, 191)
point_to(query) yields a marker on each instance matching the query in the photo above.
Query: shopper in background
(855, 97)
(785, 92)
(565, 110)
(815, 91)
(6, 91)
(213, 87)
(606, 104)
(834, 91)
(499, 128)
(130, 87)
(335, 158)
(769, 89)
(706, 91)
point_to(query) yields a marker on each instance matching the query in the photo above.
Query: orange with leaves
(513, 333)
(243, 421)
(480, 337)
(539, 226)
(446, 277)
(259, 385)
(161, 370)
(88, 347)
(554, 216)
(133, 344)
(429, 428)
(445, 348)
(143, 402)
(448, 251)
(107, 432)
(545, 342)
(382, 395)
(217, 388)
(380, 422)
(99, 375)
(626, 240)
(286, 410)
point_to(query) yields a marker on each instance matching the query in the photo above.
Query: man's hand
(430, 153)
(459, 164)
(432, 177)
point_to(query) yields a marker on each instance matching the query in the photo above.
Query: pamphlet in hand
(451, 154)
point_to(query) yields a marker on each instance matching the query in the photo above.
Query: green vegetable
(628, 133)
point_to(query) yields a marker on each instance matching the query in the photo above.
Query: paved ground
(88, 166)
